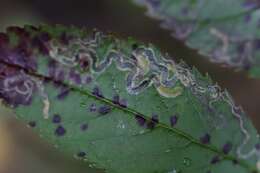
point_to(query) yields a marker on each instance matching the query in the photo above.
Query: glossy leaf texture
(122, 105)
(224, 31)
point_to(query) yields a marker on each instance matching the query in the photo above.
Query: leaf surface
(226, 32)
(121, 104)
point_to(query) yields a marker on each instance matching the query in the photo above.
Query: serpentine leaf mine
(122, 105)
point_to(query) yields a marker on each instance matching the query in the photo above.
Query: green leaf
(226, 32)
(121, 104)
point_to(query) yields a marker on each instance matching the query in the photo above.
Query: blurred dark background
(125, 19)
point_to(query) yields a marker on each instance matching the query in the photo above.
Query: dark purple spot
(32, 124)
(96, 91)
(103, 110)
(88, 79)
(155, 119)
(205, 139)
(123, 103)
(151, 125)
(84, 64)
(93, 107)
(84, 127)
(140, 120)
(56, 119)
(116, 99)
(257, 146)
(215, 160)
(63, 93)
(173, 120)
(227, 148)
(81, 154)
(60, 131)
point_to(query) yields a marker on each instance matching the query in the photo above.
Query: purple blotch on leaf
(227, 148)
(140, 120)
(56, 118)
(257, 146)
(116, 99)
(88, 79)
(96, 91)
(173, 120)
(93, 107)
(103, 110)
(123, 103)
(155, 119)
(63, 93)
(153, 122)
(84, 127)
(20, 54)
(60, 131)
(205, 139)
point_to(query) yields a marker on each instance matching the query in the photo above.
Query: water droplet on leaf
(167, 151)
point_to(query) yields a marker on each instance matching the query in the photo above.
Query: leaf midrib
(134, 113)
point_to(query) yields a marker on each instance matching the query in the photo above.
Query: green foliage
(122, 105)
(226, 32)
